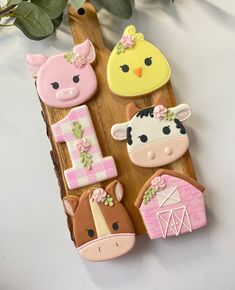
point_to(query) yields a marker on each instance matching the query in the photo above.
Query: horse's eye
(143, 138)
(115, 226)
(55, 85)
(90, 233)
(148, 61)
(124, 68)
(166, 130)
(76, 79)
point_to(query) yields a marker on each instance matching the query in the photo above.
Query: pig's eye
(76, 79)
(90, 233)
(55, 85)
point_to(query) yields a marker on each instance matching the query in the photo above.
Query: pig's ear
(119, 131)
(182, 112)
(85, 49)
(34, 62)
(70, 204)
(115, 188)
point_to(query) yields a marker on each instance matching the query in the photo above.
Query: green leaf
(53, 8)
(77, 3)
(121, 8)
(77, 129)
(32, 21)
(57, 21)
(14, 2)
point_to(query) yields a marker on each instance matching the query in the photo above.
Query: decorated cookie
(171, 204)
(136, 67)
(89, 166)
(155, 135)
(102, 229)
(65, 80)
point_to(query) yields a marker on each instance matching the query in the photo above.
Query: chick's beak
(138, 71)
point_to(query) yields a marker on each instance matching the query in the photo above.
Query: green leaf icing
(108, 200)
(77, 130)
(120, 48)
(170, 116)
(149, 194)
(69, 56)
(86, 159)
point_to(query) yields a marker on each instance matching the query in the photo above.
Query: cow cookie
(65, 80)
(88, 164)
(155, 135)
(171, 204)
(102, 229)
(136, 67)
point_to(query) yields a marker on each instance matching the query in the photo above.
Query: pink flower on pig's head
(65, 80)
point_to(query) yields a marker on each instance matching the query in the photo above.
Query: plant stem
(6, 24)
(7, 10)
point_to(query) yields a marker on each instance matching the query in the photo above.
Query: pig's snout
(67, 94)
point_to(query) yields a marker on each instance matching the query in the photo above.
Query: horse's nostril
(168, 150)
(151, 155)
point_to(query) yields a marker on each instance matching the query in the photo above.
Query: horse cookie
(136, 67)
(155, 135)
(89, 165)
(102, 229)
(65, 80)
(171, 204)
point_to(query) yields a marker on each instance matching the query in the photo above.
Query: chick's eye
(90, 233)
(143, 138)
(55, 85)
(124, 68)
(76, 79)
(148, 61)
(166, 130)
(115, 226)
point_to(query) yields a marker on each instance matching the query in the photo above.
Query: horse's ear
(70, 204)
(131, 110)
(115, 188)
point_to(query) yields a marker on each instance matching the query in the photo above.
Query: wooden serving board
(106, 110)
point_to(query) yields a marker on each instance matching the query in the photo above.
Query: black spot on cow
(129, 137)
(145, 112)
(180, 126)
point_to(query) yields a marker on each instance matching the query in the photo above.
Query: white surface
(36, 252)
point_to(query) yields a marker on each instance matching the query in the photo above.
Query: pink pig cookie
(65, 80)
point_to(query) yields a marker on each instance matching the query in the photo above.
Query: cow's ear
(116, 189)
(119, 131)
(131, 110)
(34, 62)
(85, 49)
(70, 204)
(182, 112)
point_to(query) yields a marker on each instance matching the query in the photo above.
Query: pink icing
(127, 41)
(159, 112)
(99, 195)
(83, 145)
(158, 183)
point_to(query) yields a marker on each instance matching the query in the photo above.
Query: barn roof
(160, 172)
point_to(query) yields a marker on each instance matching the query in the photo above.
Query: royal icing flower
(83, 145)
(99, 195)
(160, 112)
(79, 60)
(127, 41)
(158, 183)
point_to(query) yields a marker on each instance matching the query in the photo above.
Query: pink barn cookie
(65, 80)
(89, 166)
(102, 229)
(171, 204)
(155, 135)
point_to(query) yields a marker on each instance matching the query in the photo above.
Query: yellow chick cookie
(136, 67)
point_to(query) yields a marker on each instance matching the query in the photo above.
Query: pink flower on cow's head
(127, 41)
(79, 60)
(158, 183)
(83, 145)
(159, 112)
(99, 195)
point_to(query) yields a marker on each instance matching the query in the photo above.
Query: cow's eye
(166, 130)
(90, 233)
(115, 226)
(76, 79)
(148, 61)
(55, 85)
(143, 138)
(124, 68)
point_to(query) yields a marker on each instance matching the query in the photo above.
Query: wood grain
(106, 110)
